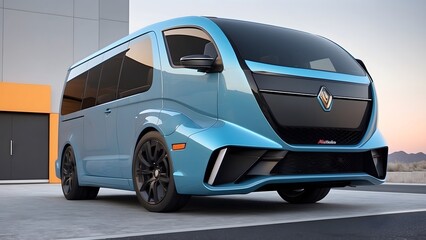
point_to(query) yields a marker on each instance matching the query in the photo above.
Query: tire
(152, 175)
(303, 195)
(69, 179)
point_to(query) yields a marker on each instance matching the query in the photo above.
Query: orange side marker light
(178, 146)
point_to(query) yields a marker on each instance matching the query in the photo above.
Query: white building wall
(1, 39)
(40, 39)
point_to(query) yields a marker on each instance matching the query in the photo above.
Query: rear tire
(153, 175)
(69, 179)
(303, 195)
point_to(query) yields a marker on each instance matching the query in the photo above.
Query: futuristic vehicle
(209, 106)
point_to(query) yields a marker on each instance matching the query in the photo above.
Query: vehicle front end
(295, 111)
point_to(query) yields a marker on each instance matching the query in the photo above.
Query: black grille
(295, 135)
(291, 106)
(241, 164)
(323, 163)
(338, 136)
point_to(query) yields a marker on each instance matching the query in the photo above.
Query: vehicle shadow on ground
(223, 205)
(128, 200)
(242, 205)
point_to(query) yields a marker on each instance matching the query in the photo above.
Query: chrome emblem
(325, 99)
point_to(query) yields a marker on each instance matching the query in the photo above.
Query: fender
(172, 120)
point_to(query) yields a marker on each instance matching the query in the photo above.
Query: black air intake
(235, 164)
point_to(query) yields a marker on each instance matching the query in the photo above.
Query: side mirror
(203, 63)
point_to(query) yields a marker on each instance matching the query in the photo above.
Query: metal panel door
(5, 138)
(24, 146)
(30, 134)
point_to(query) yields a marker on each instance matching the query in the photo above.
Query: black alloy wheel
(153, 171)
(68, 171)
(69, 179)
(152, 175)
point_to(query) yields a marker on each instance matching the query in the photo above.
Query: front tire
(152, 175)
(69, 179)
(303, 195)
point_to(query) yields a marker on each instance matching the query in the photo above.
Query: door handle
(11, 148)
(107, 111)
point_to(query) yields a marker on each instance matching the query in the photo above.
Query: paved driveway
(39, 211)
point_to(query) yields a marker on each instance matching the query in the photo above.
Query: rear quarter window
(73, 94)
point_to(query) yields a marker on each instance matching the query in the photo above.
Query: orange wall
(53, 146)
(16, 97)
(32, 98)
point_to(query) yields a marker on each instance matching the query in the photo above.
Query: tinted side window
(109, 79)
(92, 87)
(73, 94)
(136, 73)
(186, 41)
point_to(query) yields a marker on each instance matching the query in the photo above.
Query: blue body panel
(207, 111)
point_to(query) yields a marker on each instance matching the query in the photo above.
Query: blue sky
(388, 35)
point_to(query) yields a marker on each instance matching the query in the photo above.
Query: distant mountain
(404, 157)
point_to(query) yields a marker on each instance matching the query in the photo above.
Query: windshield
(286, 47)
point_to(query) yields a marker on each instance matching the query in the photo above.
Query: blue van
(209, 106)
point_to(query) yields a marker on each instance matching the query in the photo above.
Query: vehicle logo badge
(325, 99)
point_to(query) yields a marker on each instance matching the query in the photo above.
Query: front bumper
(252, 162)
(236, 165)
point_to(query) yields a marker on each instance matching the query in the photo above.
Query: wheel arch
(77, 155)
(144, 132)
(66, 145)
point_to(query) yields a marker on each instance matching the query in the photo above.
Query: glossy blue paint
(273, 69)
(253, 184)
(207, 111)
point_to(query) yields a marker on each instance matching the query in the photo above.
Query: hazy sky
(388, 35)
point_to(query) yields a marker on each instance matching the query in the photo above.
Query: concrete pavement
(39, 211)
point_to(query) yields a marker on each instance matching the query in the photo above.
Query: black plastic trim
(305, 85)
(238, 162)
(313, 95)
(73, 118)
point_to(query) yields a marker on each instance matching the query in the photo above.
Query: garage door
(24, 147)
